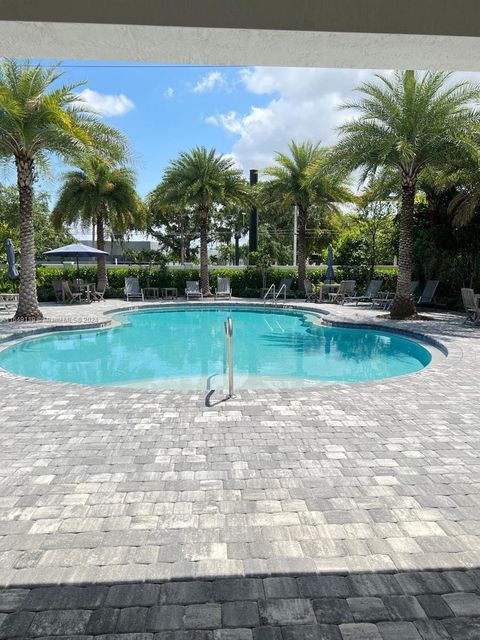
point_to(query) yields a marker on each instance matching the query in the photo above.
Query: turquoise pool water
(183, 349)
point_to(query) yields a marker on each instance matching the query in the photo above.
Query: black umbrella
(76, 250)
(12, 267)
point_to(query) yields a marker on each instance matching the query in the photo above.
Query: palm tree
(303, 179)
(38, 119)
(408, 123)
(203, 181)
(466, 182)
(101, 195)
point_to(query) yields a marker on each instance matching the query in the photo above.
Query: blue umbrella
(76, 250)
(329, 274)
(12, 267)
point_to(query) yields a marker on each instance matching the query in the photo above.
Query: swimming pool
(183, 348)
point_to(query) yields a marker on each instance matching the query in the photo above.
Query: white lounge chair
(345, 290)
(223, 289)
(8, 301)
(370, 292)
(471, 304)
(132, 289)
(192, 290)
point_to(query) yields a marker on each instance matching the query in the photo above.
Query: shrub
(244, 282)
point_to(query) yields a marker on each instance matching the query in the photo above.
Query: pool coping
(452, 356)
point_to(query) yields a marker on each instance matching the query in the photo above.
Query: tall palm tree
(39, 118)
(203, 181)
(98, 194)
(409, 122)
(466, 182)
(303, 179)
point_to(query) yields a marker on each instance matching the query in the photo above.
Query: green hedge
(245, 282)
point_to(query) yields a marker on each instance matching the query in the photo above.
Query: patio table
(87, 287)
(169, 292)
(325, 289)
(151, 293)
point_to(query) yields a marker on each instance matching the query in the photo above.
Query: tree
(408, 123)
(464, 203)
(173, 225)
(303, 179)
(46, 235)
(38, 119)
(202, 181)
(97, 193)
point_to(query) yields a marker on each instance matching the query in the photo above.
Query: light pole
(253, 231)
(295, 234)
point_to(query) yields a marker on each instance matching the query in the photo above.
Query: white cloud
(106, 104)
(303, 106)
(293, 103)
(209, 82)
(168, 93)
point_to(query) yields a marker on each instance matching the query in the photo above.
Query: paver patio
(342, 512)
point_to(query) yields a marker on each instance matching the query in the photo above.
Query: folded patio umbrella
(12, 267)
(75, 251)
(329, 273)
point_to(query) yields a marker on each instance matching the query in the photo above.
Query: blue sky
(248, 112)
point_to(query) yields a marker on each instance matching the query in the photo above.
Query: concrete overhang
(415, 34)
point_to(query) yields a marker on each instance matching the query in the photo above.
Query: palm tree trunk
(101, 262)
(28, 303)
(301, 247)
(403, 305)
(205, 284)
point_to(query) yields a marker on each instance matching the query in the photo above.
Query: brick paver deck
(347, 512)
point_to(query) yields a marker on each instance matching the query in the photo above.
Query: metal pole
(237, 247)
(229, 336)
(253, 231)
(295, 233)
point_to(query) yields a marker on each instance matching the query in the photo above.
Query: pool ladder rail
(228, 354)
(275, 295)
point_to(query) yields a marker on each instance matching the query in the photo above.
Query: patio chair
(132, 290)
(58, 290)
(345, 290)
(472, 309)
(223, 289)
(370, 293)
(310, 295)
(99, 292)
(8, 302)
(384, 299)
(192, 290)
(428, 293)
(287, 292)
(72, 296)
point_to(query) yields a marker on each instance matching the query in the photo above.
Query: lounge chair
(99, 292)
(310, 295)
(472, 308)
(384, 299)
(370, 292)
(223, 289)
(8, 301)
(72, 296)
(58, 290)
(284, 288)
(132, 290)
(192, 290)
(345, 290)
(428, 293)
